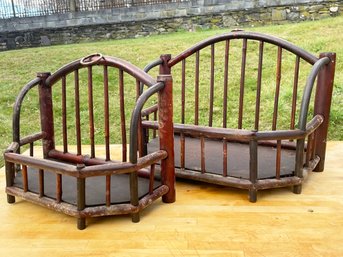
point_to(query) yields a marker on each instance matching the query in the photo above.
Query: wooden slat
(106, 114)
(134, 200)
(313, 152)
(295, 91)
(309, 150)
(41, 182)
(226, 75)
(253, 161)
(58, 188)
(77, 113)
(225, 158)
(183, 91)
(81, 200)
(139, 132)
(277, 89)
(278, 159)
(202, 149)
(122, 115)
(151, 178)
(25, 181)
(242, 82)
(182, 150)
(196, 89)
(31, 149)
(147, 135)
(108, 190)
(154, 130)
(64, 115)
(210, 118)
(138, 86)
(91, 111)
(259, 83)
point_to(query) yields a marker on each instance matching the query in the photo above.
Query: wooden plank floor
(204, 221)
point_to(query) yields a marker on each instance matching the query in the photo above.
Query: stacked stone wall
(158, 19)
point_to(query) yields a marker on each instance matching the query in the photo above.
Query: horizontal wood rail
(240, 134)
(245, 35)
(85, 171)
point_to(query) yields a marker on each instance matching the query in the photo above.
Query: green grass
(20, 66)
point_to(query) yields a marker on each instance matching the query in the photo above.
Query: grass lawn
(20, 66)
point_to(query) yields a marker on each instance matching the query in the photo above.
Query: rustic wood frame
(64, 163)
(315, 131)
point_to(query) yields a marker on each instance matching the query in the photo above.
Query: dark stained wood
(134, 194)
(140, 133)
(41, 182)
(77, 112)
(108, 190)
(122, 115)
(91, 111)
(280, 139)
(64, 115)
(197, 131)
(242, 83)
(121, 209)
(295, 91)
(210, 118)
(151, 179)
(183, 91)
(25, 181)
(309, 150)
(308, 57)
(106, 114)
(224, 158)
(182, 151)
(51, 180)
(259, 83)
(46, 113)
(196, 88)
(277, 89)
(149, 110)
(239, 158)
(237, 182)
(278, 159)
(58, 188)
(322, 105)
(81, 201)
(31, 149)
(253, 161)
(202, 155)
(166, 130)
(32, 138)
(154, 134)
(226, 75)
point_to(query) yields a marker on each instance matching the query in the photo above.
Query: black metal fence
(29, 8)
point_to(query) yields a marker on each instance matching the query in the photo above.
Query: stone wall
(158, 19)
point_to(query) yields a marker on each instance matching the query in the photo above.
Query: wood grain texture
(205, 220)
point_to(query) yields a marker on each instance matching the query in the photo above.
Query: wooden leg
(297, 189)
(10, 199)
(134, 194)
(252, 195)
(10, 173)
(81, 201)
(135, 217)
(81, 223)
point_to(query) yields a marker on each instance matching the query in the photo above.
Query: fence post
(166, 131)
(13, 9)
(72, 5)
(322, 106)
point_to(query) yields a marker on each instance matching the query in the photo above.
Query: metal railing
(30, 8)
